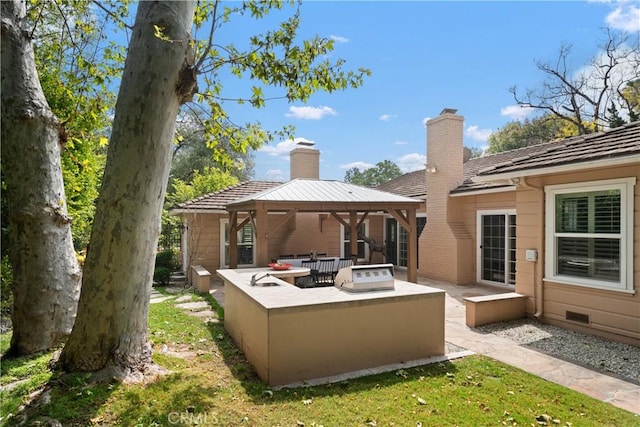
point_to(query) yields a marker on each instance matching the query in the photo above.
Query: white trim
(366, 247)
(484, 191)
(479, 215)
(224, 263)
(185, 247)
(573, 167)
(626, 187)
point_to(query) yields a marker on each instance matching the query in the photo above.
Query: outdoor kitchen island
(291, 334)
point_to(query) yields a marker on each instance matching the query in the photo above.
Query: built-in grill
(363, 278)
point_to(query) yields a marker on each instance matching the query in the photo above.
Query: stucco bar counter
(290, 334)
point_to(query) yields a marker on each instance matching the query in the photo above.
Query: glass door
(497, 251)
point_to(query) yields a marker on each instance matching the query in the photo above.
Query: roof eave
(573, 167)
(504, 189)
(179, 211)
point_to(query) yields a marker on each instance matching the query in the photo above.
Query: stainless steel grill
(363, 278)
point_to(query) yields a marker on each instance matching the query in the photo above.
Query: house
(558, 222)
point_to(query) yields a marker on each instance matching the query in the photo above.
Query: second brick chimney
(445, 245)
(305, 162)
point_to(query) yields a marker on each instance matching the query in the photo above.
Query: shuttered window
(589, 243)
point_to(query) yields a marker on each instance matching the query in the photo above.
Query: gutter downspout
(538, 290)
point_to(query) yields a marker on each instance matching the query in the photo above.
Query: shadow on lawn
(262, 393)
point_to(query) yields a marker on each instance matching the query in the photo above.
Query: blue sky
(424, 56)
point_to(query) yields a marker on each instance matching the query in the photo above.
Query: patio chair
(286, 256)
(307, 281)
(342, 263)
(324, 277)
(321, 254)
(303, 255)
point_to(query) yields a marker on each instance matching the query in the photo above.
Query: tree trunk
(110, 333)
(46, 274)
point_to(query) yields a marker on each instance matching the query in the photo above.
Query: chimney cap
(449, 111)
(306, 143)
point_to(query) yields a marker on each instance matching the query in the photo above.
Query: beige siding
(612, 314)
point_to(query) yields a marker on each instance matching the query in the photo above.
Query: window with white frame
(246, 247)
(363, 248)
(589, 234)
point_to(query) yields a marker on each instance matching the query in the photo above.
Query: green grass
(211, 383)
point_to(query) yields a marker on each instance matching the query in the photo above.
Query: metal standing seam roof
(321, 191)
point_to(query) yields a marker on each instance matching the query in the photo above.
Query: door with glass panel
(246, 247)
(497, 247)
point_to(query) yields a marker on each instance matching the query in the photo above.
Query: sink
(266, 284)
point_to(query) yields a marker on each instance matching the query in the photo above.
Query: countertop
(287, 296)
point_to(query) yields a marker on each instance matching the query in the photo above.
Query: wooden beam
(339, 218)
(353, 234)
(283, 220)
(400, 217)
(261, 225)
(233, 240)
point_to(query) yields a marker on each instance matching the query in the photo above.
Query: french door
(497, 247)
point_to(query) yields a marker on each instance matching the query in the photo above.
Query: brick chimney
(305, 162)
(445, 245)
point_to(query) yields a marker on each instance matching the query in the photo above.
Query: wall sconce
(431, 169)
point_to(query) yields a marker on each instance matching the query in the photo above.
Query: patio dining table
(297, 262)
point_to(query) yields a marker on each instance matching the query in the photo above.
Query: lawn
(209, 382)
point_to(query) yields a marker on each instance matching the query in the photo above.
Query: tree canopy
(382, 172)
(595, 97)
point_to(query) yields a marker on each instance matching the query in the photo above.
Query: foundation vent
(577, 317)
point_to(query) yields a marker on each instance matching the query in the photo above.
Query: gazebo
(335, 198)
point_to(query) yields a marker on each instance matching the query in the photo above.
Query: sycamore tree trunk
(46, 274)
(110, 333)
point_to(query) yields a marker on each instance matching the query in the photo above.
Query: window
(590, 234)
(245, 244)
(363, 249)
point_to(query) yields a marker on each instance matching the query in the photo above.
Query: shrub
(166, 262)
(167, 259)
(6, 296)
(161, 276)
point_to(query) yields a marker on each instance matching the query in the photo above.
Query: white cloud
(477, 134)
(425, 120)
(310, 113)
(400, 143)
(275, 174)
(516, 112)
(411, 162)
(387, 117)
(360, 165)
(338, 39)
(282, 148)
(625, 16)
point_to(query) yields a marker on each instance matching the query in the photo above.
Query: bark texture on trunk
(110, 334)
(46, 274)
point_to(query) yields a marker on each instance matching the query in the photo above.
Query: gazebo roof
(314, 195)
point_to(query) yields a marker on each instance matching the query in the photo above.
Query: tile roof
(219, 199)
(614, 143)
(623, 141)
(412, 184)
(619, 142)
